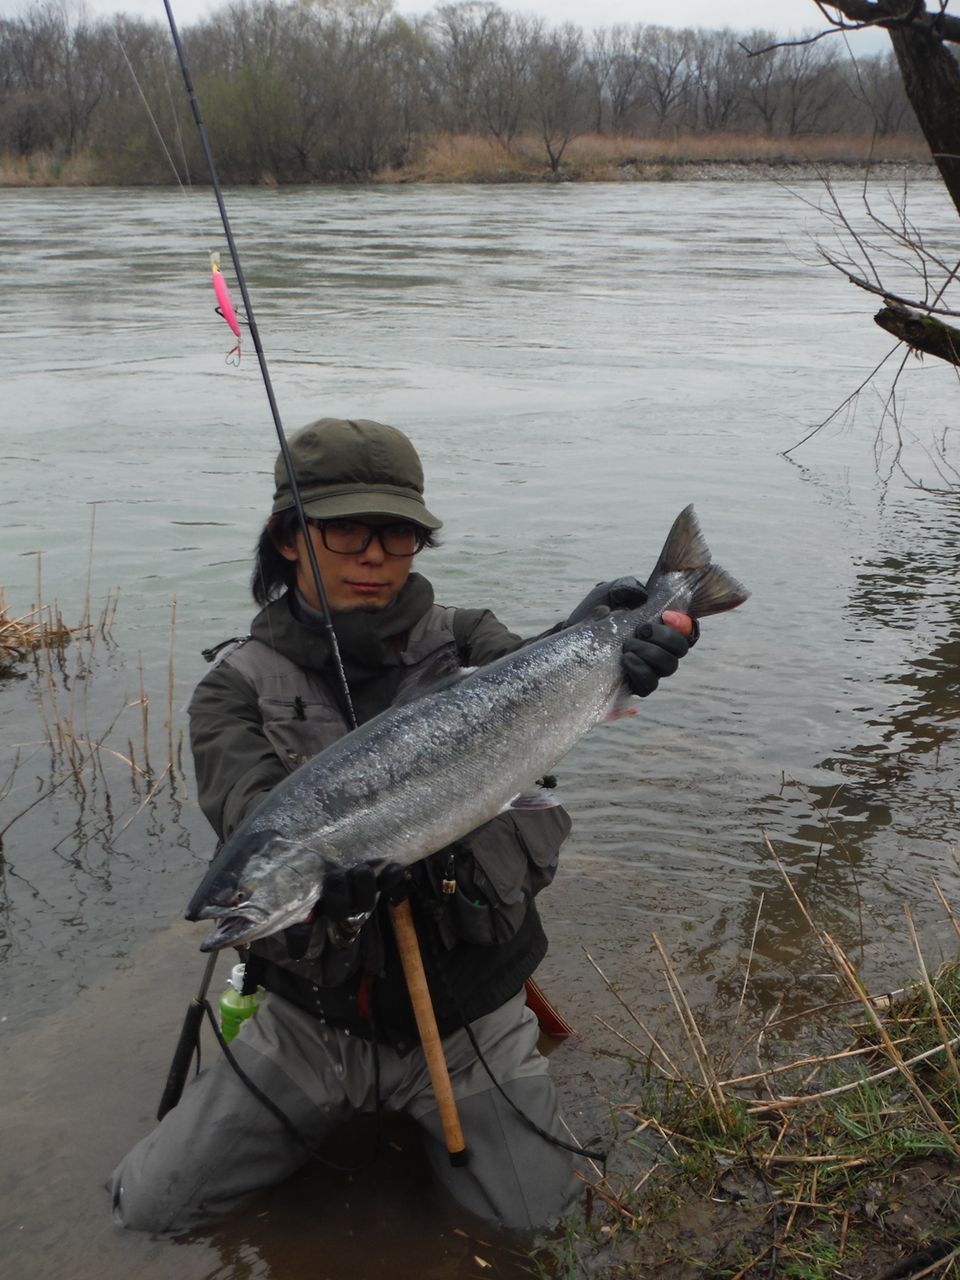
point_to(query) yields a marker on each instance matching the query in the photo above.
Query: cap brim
(371, 504)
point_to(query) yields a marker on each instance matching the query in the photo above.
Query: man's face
(368, 579)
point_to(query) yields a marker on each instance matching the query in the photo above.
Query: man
(335, 1034)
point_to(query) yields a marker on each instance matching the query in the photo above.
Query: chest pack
(300, 713)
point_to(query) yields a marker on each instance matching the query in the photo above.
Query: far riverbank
(588, 158)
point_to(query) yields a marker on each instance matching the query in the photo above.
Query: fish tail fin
(713, 590)
(716, 591)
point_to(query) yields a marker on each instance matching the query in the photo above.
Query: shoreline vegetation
(751, 1158)
(480, 160)
(294, 94)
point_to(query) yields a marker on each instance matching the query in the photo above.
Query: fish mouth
(244, 922)
(233, 927)
(231, 930)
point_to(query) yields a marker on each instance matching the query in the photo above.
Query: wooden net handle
(409, 949)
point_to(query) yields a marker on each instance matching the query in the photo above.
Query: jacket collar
(369, 639)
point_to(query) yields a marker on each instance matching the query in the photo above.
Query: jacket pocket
(500, 867)
(541, 832)
(299, 729)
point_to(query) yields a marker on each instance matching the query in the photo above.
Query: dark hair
(273, 573)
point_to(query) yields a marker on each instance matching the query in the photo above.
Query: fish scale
(425, 773)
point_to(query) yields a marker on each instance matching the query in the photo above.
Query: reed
(480, 158)
(83, 759)
(476, 158)
(20, 636)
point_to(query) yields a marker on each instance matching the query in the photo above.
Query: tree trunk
(931, 78)
(930, 73)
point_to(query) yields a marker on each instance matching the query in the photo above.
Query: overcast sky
(782, 16)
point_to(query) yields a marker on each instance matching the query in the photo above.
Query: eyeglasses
(351, 537)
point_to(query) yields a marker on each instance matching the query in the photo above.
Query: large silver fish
(424, 773)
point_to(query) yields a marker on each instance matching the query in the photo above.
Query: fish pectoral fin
(621, 704)
(532, 800)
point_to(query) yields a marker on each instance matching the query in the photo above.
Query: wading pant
(219, 1144)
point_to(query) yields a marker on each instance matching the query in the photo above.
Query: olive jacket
(270, 704)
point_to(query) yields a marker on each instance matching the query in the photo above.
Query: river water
(575, 365)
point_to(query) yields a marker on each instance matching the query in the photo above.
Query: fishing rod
(400, 914)
(264, 370)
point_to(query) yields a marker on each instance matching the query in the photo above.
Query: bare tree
(931, 76)
(301, 90)
(917, 312)
(808, 86)
(504, 80)
(666, 70)
(876, 86)
(561, 90)
(460, 35)
(56, 71)
(621, 86)
(719, 79)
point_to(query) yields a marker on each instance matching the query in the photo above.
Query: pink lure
(225, 307)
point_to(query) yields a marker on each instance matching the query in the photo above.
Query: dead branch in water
(924, 334)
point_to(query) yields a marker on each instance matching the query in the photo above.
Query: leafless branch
(871, 18)
(886, 294)
(799, 43)
(844, 404)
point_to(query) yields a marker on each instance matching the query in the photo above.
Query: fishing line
(176, 123)
(264, 370)
(152, 117)
(235, 352)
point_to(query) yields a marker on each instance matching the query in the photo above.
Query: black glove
(348, 900)
(652, 652)
(348, 893)
(620, 593)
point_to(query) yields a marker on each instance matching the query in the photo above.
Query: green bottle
(235, 1008)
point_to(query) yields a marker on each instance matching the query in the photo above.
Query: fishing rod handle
(409, 948)
(182, 1057)
(188, 1043)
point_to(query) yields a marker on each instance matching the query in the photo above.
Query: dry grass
(39, 628)
(79, 733)
(72, 728)
(600, 158)
(47, 170)
(589, 157)
(735, 148)
(461, 158)
(842, 1164)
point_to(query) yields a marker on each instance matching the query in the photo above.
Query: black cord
(573, 1147)
(440, 962)
(290, 1128)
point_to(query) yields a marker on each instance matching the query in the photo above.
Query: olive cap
(354, 468)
